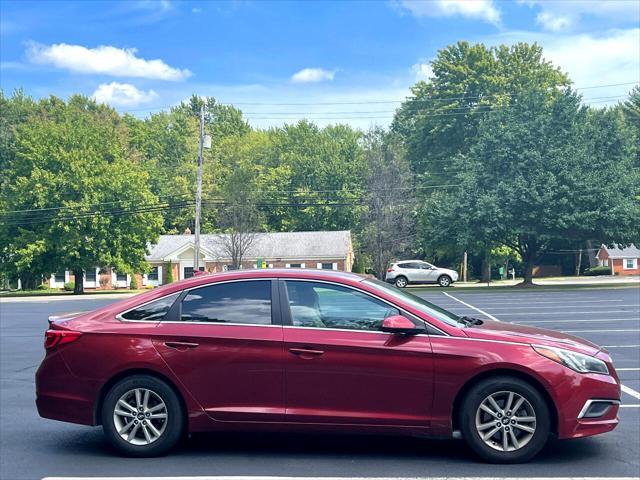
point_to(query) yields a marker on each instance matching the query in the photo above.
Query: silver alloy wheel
(444, 281)
(506, 421)
(401, 282)
(140, 416)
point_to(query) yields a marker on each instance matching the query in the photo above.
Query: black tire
(175, 422)
(401, 281)
(445, 281)
(471, 404)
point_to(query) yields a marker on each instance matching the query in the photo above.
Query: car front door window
(323, 305)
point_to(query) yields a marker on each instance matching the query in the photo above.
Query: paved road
(31, 447)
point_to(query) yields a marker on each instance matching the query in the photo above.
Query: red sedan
(303, 350)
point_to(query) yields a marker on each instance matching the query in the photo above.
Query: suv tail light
(390, 269)
(55, 338)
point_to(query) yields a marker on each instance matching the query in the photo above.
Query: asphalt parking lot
(32, 448)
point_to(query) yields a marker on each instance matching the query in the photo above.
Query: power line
(255, 192)
(372, 102)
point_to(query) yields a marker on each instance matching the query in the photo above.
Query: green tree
(543, 169)
(73, 199)
(441, 118)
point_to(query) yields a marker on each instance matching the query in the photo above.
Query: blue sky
(141, 56)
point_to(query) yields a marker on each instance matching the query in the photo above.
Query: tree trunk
(486, 268)
(27, 281)
(78, 281)
(578, 262)
(528, 270)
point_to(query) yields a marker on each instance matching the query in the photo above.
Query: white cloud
(564, 14)
(484, 10)
(122, 94)
(105, 60)
(312, 75)
(422, 70)
(552, 22)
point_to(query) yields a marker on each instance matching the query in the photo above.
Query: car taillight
(390, 269)
(55, 338)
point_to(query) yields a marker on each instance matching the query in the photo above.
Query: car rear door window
(324, 305)
(153, 311)
(247, 302)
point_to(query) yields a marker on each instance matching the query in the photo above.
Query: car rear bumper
(62, 396)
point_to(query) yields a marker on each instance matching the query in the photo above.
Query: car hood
(512, 332)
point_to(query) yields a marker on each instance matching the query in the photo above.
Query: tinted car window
(234, 302)
(409, 265)
(323, 305)
(153, 311)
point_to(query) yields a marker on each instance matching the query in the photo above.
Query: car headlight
(573, 360)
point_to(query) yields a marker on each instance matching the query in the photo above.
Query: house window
(59, 276)
(188, 272)
(90, 275)
(328, 266)
(630, 263)
(153, 274)
(294, 265)
(605, 262)
(121, 277)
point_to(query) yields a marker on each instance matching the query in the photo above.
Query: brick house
(323, 250)
(623, 261)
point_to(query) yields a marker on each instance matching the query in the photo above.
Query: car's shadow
(350, 450)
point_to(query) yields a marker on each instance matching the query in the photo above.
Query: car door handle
(306, 352)
(181, 345)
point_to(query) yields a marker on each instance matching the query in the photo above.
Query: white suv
(403, 273)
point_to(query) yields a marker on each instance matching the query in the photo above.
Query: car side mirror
(400, 324)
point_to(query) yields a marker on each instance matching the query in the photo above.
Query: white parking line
(630, 391)
(266, 477)
(589, 320)
(631, 369)
(605, 308)
(556, 313)
(620, 346)
(604, 330)
(471, 306)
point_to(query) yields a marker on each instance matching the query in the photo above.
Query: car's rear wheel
(444, 280)
(142, 416)
(401, 282)
(505, 420)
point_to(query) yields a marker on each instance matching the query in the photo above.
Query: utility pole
(196, 252)
(464, 267)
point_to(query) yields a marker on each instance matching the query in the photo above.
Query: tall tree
(388, 226)
(543, 169)
(73, 199)
(441, 118)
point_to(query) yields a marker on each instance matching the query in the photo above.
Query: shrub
(42, 286)
(133, 285)
(70, 286)
(595, 271)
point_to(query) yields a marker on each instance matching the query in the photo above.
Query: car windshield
(419, 303)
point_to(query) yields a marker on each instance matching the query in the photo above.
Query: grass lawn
(497, 286)
(56, 292)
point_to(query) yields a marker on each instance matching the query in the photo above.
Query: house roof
(285, 245)
(628, 252)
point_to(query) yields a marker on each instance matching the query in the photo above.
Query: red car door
(341, 369)
(226, 347)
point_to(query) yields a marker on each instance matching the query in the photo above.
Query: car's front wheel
(505, 420)
(401, 282)
(142, 416)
